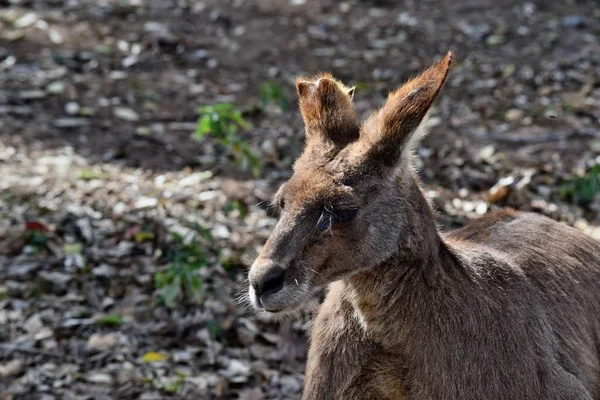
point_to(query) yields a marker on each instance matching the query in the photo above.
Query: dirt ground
(98, 165)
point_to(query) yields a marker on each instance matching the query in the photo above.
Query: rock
(99, 377)
(33, 324)
(71, 122)
(495, 40)
(85, 229)
(486, 153)
(11, 368)
(290, 385)
(126, 114)
(56, 87)
(573, 21)
(481, 208)
(194, 179)
(68, 325)
(160, 31)
(146, 202)
(220, 231)
(72, 108)
(43, 334)
(32, 94)
(252, 394)
(104, 271)
(237, 368)
(22, 272)
(475, 32)
(26, 20)
(53, 282)
(102, 342)
(208, 195)
(514, 114)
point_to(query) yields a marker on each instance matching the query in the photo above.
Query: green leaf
(73, 248)
(214, 329)
(271, 92)
(204, 126)
(171, 292)
(110, 320)
(153, 356)
(582, 190)
(221, 122)
(174, 386)
(143, 236)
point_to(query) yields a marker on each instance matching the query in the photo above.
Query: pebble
(104, 271)
(55, 282)
(22, 271)
(236, 368)
(44, 333)
(11, 368)
(102, 342)
(33, 324)
(31, 94)
(290, 385)
(126, 114)
(495, 40)
(71, 122)
(72, 108)
(514, 114)
(98, 377)
(573, 21)
(146, 202)
(56, 87)
(26, 20)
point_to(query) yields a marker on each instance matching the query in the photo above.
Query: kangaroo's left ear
(395, 128)
(326, 107)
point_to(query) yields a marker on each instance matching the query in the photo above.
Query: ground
(98, 166)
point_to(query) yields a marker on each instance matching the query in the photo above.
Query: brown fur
(506, 308)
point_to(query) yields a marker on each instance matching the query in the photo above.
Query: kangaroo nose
(271, 283)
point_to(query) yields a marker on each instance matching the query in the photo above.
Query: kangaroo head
(351, 203)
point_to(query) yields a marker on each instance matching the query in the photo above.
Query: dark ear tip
(351, 92)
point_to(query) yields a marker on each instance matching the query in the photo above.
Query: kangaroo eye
(324, 222)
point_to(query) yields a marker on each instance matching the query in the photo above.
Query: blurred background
(141, 142)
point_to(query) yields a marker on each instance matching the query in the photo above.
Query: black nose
(272, 282)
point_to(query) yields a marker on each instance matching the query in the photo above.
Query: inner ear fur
(394, 128)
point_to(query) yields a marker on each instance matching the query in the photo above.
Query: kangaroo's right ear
(392, 132)
(327, 110)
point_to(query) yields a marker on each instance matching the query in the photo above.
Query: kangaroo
(507, 307)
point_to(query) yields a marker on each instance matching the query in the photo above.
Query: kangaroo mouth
(288, 301)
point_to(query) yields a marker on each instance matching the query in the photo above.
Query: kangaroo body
(507, 307)
(511, 310)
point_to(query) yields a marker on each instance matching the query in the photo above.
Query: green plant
(110, 320)
(222, 122)
(234, 205)
(271, 92)
(180, 279)
(582, 190)
(89, 173)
